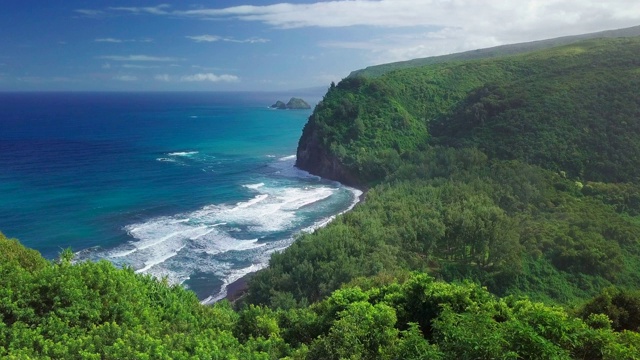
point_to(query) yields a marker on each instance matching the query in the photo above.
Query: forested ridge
(501, 221)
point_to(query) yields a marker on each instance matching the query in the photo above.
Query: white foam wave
(324, 222)
(287, 158)
(158, 261)
(165, 160)
(232, 277)
(123, 253)
(233, 245)
(285, 167)
(274, 209)
(182, 153)
(214, 239)
(246, 204)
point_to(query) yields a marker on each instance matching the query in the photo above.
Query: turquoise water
(199, 188)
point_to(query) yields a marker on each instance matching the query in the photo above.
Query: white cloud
(138, 58)
(109, 40)
(154, 10)
(134, 66)
(200, 77)
(106, 66)
(210, 77)
(525, 15)
(215, 38)
(204, 38)
(251, 40)
(126, 78)
(118, 41)
(458, 25)
(402, 47)
(89, 13)
(438, 26)
(444, 13)
(41, 80)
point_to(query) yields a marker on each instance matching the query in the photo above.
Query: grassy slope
(494, 52)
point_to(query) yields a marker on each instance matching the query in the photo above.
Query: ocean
(197, 188)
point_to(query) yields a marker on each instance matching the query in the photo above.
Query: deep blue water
(197, 187)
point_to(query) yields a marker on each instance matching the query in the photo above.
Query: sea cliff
(314, 157)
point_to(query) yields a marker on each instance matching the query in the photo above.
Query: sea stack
(293, 104)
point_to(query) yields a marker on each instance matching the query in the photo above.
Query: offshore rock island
(293, 104)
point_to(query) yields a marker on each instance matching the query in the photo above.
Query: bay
(198, 188)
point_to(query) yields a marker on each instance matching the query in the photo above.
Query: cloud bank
(201, 77)
(138, 58)
(126, 78)
(470, 14)
(437, 26)
(210, 77)
(216, 38)
(119, 41)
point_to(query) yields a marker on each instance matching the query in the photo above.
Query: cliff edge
(314, 157)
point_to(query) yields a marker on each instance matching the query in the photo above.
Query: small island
(293, 104)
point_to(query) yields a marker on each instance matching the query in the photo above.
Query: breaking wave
(226, 241)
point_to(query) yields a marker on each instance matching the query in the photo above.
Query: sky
(261, 45)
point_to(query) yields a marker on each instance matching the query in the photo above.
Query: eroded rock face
(314, 157)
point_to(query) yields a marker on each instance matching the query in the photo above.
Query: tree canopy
(501, 221)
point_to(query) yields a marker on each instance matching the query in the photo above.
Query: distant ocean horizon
(197, 188)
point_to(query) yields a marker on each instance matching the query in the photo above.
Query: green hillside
(501, 221)
(497, 51)
(518, 172)
(571, 108)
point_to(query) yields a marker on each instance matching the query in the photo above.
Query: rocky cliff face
(313, 156)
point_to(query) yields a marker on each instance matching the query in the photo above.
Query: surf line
(237, 279)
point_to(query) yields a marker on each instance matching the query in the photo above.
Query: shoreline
(238, 289)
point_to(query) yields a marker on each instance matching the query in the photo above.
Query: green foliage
(426, 319)
(516, 228)
(93, 310)
(523, 177)
(96, 311)
(622, 308)
(507, 177)
(572, 112)
(14, 252)
(570, 109)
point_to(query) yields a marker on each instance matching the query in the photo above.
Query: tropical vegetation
(501, 221)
